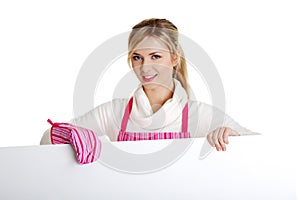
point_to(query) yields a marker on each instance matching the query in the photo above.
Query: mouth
(149, 78)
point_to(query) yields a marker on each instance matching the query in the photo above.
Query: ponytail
(180, 72)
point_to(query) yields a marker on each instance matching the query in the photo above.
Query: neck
(158, 95)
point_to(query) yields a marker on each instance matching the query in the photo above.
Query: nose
(146, 65)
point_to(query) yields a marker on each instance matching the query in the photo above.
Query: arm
(46, 138)
(104, 120)
(95, 120)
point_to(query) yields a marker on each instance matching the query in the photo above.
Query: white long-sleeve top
(202, 118)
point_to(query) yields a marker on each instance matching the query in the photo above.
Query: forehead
(151, 43)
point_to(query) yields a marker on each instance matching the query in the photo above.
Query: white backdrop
(255, 46)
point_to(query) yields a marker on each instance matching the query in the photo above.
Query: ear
(175, 59)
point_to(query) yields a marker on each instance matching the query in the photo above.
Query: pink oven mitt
(84, 141)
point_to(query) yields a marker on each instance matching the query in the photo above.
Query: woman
(160, 107)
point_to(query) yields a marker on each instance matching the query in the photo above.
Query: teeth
(149, 76)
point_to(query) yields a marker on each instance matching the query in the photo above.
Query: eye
(137, 58)
(155, 57)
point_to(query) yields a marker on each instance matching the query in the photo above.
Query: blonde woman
(160, 107)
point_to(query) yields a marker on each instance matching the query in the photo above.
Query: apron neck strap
(185, 116)
(126, 115)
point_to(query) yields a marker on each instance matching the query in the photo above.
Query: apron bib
(135, 136)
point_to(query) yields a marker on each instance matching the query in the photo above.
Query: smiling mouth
(149, 78)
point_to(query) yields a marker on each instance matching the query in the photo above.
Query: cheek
(166, 71)
(165, 66)
(137, 72)
(136, 69)
(168, 63)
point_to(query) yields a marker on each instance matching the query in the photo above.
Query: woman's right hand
(84, 141)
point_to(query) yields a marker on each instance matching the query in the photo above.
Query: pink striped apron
(133, 136)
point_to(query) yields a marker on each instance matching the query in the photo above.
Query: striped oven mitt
(84, 141)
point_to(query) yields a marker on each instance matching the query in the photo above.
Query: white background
(255, 46)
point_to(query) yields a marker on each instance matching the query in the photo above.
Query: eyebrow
(152, 53)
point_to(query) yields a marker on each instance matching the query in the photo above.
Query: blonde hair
(167, 32)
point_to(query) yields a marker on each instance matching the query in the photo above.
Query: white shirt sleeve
(208, 118)
(104, 120)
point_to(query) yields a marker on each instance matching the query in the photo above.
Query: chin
(149, 86)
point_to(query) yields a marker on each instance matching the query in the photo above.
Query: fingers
(225, 135)
(213, 139)
(219, 138)
(210, 139)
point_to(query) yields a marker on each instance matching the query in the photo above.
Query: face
(153, 63)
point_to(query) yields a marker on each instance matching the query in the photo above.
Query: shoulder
(203, 108)
(202, 105)
(114, 106)
(104, 115)
(117, 103)
(193, 104)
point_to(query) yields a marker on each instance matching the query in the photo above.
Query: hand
(219, 137)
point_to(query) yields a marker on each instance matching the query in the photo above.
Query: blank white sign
(247, 170)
